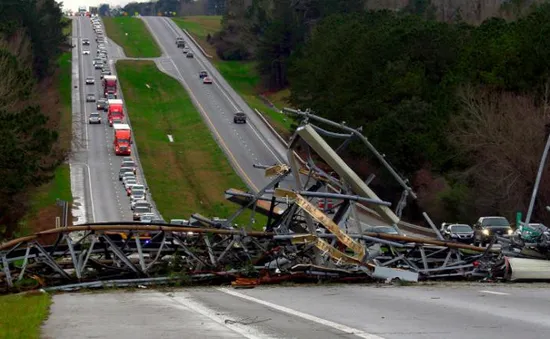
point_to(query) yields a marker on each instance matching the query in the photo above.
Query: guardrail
(271, 128)
(196, 44)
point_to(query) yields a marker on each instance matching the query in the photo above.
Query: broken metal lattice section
(305, 237)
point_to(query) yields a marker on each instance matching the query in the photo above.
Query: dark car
(487, 227)
(105, 72)
(239, 118)
(102, 105)
(86, 42)
(110, 96)
(457, 232)
(203, 74)
(189, 55)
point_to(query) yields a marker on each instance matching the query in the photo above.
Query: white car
(134, 198)
(147, 217)
(139, 203)
(90, 81)
(127, 176)
(128, 185)
(86, 52)
(138, 188)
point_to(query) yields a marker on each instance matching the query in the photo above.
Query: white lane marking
(494, 292)
(222, 91)
(320, 321)
(245, 331)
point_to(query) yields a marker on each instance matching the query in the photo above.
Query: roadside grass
(65, 92)
(190, 174)
(132, 35)
(242, 76)
(68, 29)
(200, 25)
(23, 314)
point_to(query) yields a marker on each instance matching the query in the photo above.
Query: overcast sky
(74, 4)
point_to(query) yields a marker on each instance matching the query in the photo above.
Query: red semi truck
(110, 85)
(116, 112)
(123, 139)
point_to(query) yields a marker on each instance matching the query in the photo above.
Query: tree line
(31, 41)
(459, 109)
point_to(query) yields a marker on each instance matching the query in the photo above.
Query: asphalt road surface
(245, 144)
(352, 311)
(94, 166)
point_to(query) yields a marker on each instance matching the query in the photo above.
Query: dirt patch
(45, 220)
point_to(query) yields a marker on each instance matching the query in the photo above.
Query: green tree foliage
(152, 8)
(387, 72)
(104, 9)
(398, 75)
(273, 30)
(41, 19)
(31, 41)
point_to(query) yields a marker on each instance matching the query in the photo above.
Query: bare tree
(502, 134)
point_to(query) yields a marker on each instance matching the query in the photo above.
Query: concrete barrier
(271, 128)
(196, 44)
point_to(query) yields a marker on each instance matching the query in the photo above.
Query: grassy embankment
(23, 314)
(133, 36)
(190, 174)
(242, 76)
(43, 209)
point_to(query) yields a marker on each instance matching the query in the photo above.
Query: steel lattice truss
(302, 240)
(156, 253)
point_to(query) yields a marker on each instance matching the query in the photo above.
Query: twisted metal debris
(301, 241)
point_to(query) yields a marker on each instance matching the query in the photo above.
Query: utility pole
(539, 175)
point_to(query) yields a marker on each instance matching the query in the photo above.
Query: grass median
(241, 75)
(23, 314)
(189, 174)
(133, 36)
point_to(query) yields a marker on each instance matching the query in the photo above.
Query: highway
(94, 166)
(447, 310)
(245, 144)
(353, 311)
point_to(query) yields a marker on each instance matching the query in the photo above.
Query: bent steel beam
(326, 152)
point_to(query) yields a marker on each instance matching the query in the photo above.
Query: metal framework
(300, 240)
(89, 253)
